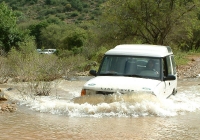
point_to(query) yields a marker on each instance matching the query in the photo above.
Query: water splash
(117, 105)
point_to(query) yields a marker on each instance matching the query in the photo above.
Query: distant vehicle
(135, 68)
(46, 51)
(39, 50)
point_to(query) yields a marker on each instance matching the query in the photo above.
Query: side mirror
(170, 77)
(93, 72)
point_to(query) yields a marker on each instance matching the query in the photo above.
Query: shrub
(74, 14)
(34, 70)
(61, 16)
(3, 70)
(37, 72)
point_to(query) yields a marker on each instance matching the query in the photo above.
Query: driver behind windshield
(151, 65)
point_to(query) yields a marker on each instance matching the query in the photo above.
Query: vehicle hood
(121, 84)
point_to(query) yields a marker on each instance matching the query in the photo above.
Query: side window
(173, 64)
(164, 65)
(169, 68)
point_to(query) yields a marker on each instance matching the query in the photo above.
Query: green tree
(35, 30)
(149, 21)
(9, 33)
(68, 7)
(51, 36)
(74, 40)
(65, 37)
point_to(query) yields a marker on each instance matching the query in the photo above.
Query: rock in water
(3, 97)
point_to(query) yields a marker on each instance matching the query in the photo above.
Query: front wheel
(174, 92)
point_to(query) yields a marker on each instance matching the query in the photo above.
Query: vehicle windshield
(133, 66)
(45, 50)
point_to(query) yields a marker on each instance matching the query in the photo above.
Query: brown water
(58, 117)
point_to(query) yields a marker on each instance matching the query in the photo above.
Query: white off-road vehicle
(135, 69)
(47, 51)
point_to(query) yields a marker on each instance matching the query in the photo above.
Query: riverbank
(191, 70)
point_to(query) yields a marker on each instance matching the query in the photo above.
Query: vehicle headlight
(83, 92)
(87, 92)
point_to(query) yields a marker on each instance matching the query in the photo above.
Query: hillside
(69, 11)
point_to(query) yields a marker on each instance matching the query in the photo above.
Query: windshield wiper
(134, 75)
(110, 74)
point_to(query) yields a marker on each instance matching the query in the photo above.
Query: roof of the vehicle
(141, 50)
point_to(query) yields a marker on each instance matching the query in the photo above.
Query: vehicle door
(174, 72)
(169, 68)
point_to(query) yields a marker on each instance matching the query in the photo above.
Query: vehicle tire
(174, 92)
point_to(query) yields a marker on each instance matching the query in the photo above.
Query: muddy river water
(64, 116)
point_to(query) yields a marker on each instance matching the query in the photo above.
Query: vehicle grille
(104, 92)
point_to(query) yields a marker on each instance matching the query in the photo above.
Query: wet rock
(7, 107)
(85, 73)
(5, 104)
(3, 97)
(8, 89)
